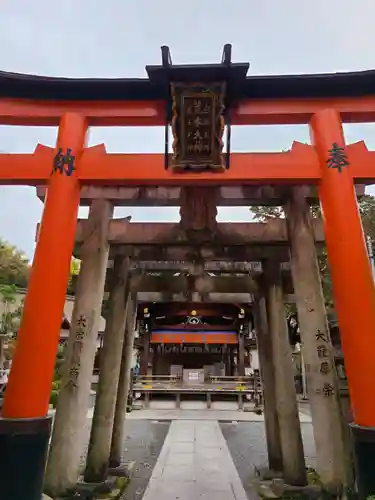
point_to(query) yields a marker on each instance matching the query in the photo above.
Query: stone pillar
(241, 354)
(67, 440)
(117, 445)
(155, 360)
(104, 412)
(231, 360)
(151, 359)
(286, 401)
(271, 420)
(145, 353)
(316, 343)
(228, 367)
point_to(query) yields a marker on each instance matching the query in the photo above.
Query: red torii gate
(351, 272)
(303, 164)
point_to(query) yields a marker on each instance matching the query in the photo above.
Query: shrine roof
(155, 87)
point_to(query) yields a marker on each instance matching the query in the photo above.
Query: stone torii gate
(132, 239)
(328, 163)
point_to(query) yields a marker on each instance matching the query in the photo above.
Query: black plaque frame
(208, 102)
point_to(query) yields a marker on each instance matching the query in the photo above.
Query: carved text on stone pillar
(75, 365)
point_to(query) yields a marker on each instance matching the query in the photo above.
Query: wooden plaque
(198, 127)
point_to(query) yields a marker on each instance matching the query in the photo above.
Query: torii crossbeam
(97, 167)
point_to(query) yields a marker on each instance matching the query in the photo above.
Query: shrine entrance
(194, 351)
(199, 104)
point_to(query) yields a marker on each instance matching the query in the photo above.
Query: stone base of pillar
(113, 487)
(23, 452)
(364, 454)
(113, 464)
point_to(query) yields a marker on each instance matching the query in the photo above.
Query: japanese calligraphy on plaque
(198, 127)
(196, 349)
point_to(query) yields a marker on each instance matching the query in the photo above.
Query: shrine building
(195, 341)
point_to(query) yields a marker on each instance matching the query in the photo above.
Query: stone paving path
(195, 463)
(245, 440)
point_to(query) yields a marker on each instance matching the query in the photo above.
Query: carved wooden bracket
(199, 209)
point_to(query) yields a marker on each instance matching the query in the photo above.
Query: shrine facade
(181, 338)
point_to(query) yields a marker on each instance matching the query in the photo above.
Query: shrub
(56, 385)
(53, 398)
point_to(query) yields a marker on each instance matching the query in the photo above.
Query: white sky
(118, 38)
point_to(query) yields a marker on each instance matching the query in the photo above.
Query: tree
(367, 211)
(263, 213)
(14, 265)
(10, 317)
(14, 274)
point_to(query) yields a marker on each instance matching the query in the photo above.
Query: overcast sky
(117, 38)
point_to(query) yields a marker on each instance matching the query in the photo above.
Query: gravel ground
(144, 441)
(247, 444)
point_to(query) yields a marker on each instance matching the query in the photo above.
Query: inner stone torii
(203, 248)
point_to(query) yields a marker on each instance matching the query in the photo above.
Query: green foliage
(117, 490)
(53, 398)
(325, 276)
(8, 293)
(59, 363)
(312, 476)
(61, 351)
(56, 384)
(14, 265)
(263, 213)
(105, 308)
(75, 267)
(367, 211)
(10, 317)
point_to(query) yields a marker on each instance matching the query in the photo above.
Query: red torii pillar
(353, 287)
(25, 424)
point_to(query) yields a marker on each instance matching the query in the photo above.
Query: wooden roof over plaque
(198, 111)
(156, 86)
